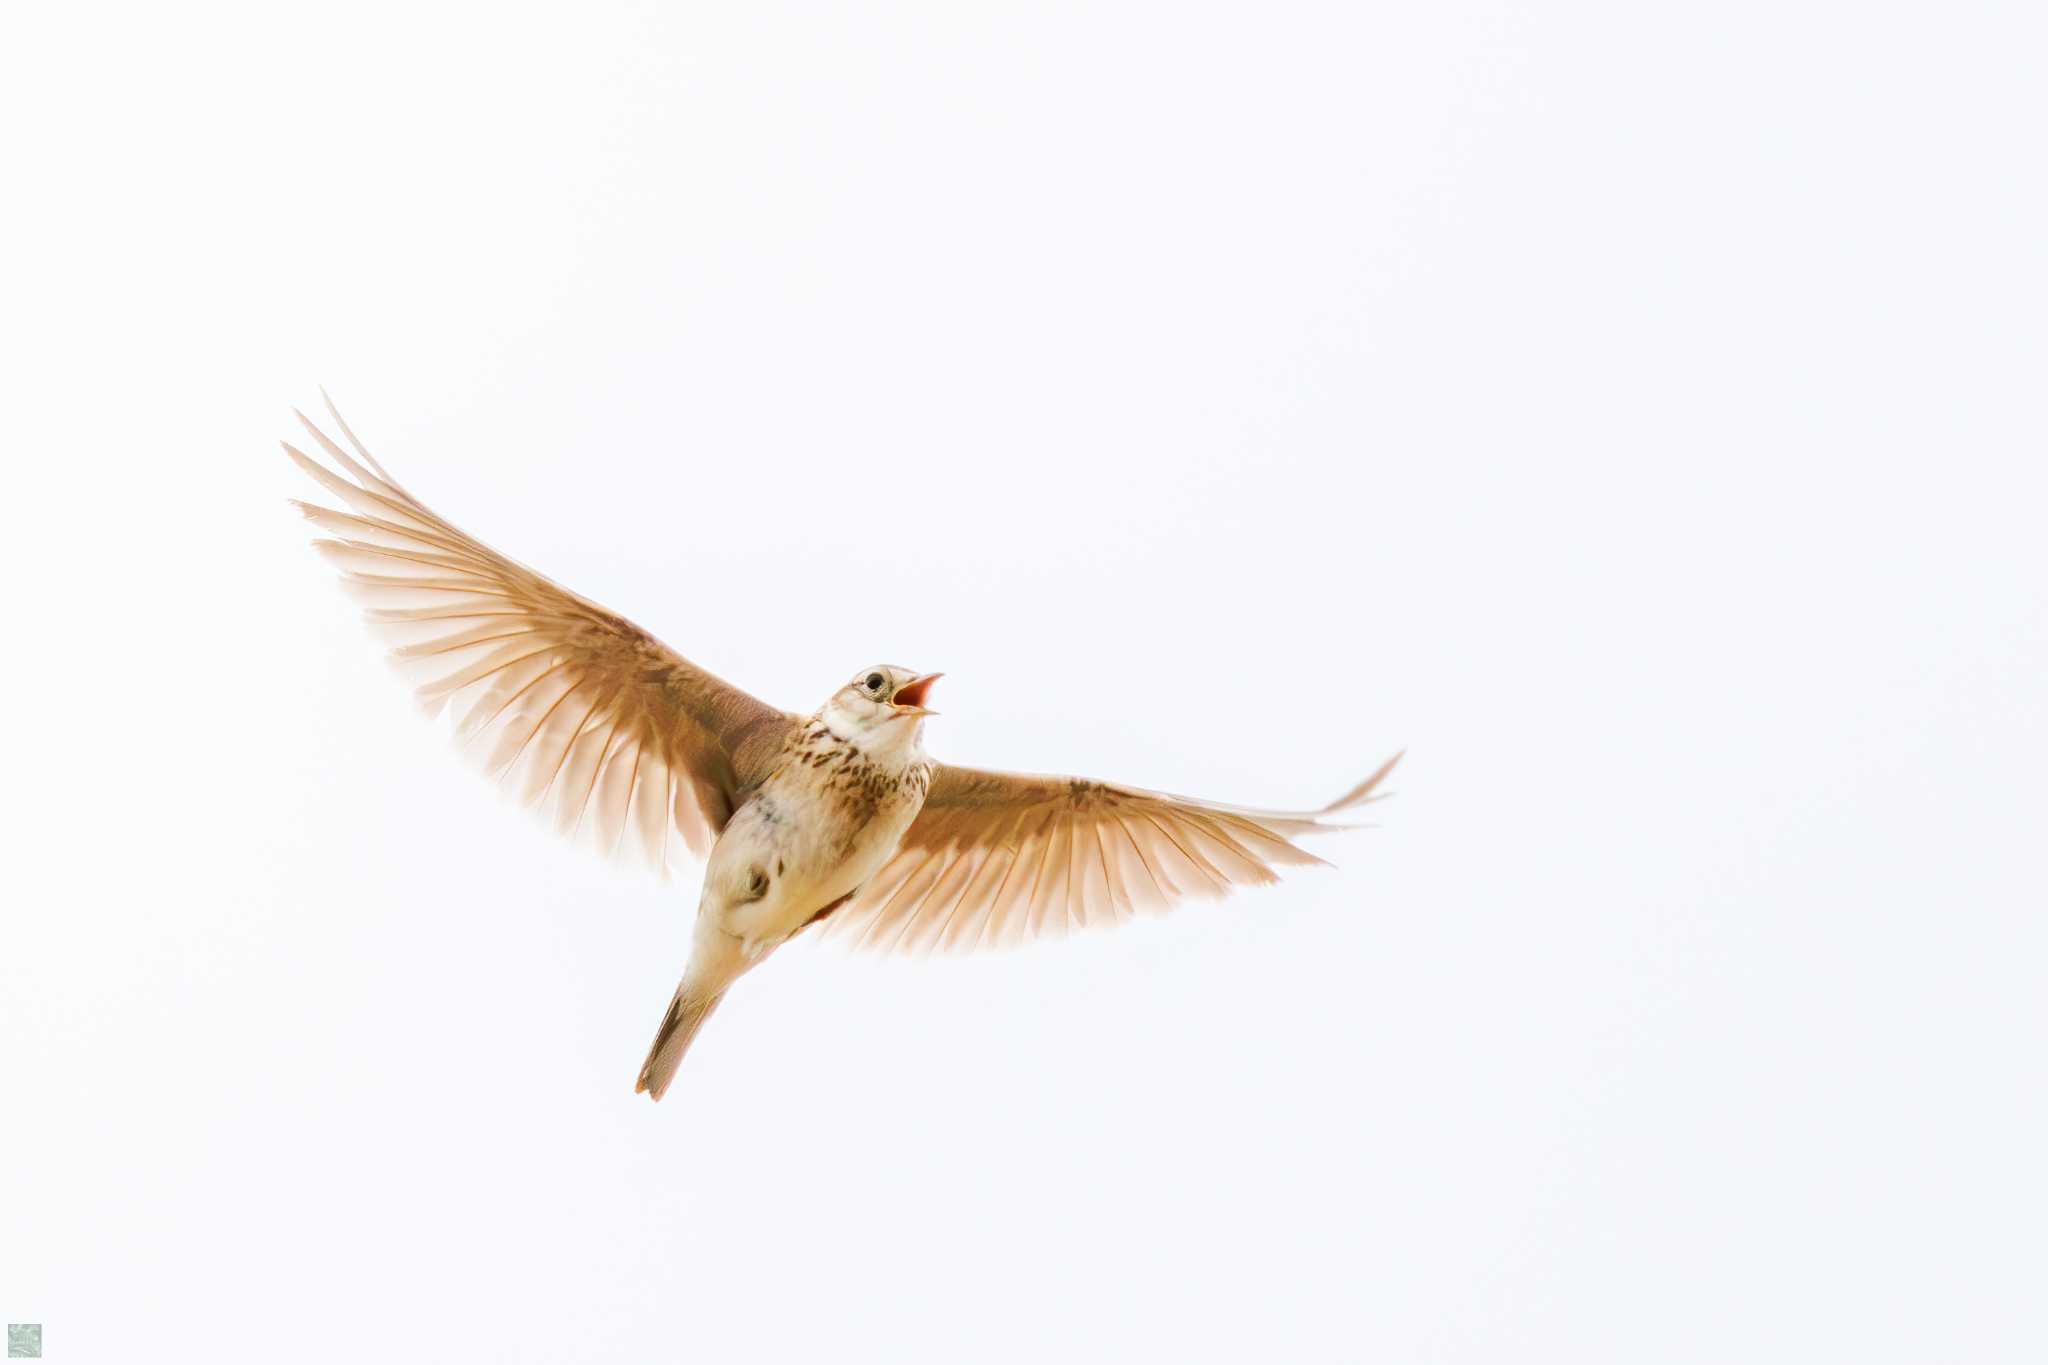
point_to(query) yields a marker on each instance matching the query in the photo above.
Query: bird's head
(883, 707)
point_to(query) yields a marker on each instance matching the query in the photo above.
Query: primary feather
(617, 738)
(995, 859)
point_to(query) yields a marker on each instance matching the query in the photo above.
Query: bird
(836, 823)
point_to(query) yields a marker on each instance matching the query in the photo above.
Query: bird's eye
(874, 682)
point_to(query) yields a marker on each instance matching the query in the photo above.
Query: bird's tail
(686, 1014)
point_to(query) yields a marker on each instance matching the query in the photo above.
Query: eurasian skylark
(835, 819)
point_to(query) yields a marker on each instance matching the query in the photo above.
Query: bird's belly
(812, 858)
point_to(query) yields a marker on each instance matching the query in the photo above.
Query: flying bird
(837, 819)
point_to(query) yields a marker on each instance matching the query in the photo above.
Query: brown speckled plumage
(838, 817)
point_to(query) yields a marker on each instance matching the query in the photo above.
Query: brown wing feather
(997, 858)
(616, 737)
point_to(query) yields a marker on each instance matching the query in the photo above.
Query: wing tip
(1364, 793)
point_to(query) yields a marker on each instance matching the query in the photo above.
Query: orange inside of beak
(913, 693)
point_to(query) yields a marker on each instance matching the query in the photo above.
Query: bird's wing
(613, 735)
(995, 859)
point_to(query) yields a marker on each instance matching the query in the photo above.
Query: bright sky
(1636, 414)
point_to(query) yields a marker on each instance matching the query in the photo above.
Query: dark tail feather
(686, 1014)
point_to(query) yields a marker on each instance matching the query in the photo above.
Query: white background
(1634, 411)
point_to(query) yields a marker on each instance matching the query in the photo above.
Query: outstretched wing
(613, 735)
(995, 859)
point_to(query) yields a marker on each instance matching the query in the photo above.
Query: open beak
(909, 698)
